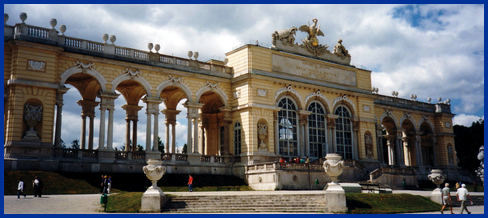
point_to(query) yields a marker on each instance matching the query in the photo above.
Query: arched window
(343, 132)
(288, 138)
(317, 130)
(237, 139)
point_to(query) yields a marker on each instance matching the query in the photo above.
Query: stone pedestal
(193, 158)
(335, 198)
(436, 196)
(153, 155)
(106, 155)
(153, 200)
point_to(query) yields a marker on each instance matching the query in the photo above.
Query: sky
(427, 50)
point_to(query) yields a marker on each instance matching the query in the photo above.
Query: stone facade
(310, 104)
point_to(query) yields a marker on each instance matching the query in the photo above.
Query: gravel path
(53, 204)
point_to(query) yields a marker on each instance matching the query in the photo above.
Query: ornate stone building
(244, 113)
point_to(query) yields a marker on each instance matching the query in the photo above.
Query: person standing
(461, 195)
(308, 160)
(446, 198)
(101, 185)
(35, 184)
(105, 184)
(190, 184)
(20, 188)
(109, 184)
(40, 187)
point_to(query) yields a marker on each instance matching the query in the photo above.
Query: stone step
(477, 200)
(245, 210)
(175, 206)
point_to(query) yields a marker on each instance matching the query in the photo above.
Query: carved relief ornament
(36, 65)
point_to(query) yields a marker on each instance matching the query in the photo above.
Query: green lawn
(388, 203)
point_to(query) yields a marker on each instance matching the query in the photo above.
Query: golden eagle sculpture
(313, 31)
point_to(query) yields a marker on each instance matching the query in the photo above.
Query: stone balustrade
(52, 36)
(271, 166)
(392, 171)
(401, 102)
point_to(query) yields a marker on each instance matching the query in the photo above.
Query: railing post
(109, 49)
(173, 157)
(212, 159)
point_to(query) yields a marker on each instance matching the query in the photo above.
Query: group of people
(36, 184)
(106, 184)
(295, 160)
(462, 195)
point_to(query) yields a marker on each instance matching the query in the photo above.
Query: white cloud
(466, 120)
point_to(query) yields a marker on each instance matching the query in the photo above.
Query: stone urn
(32, 115)
(437, 177)
(262, 133)
(153, 199)
(154, 172)
(333, 166)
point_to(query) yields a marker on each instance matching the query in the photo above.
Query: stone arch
(143, 82)
(290, 92)
(88, 70)
(388, 114)
(317, 96)
(426, 120)
(410, 118)
(344, 100)
(212, 88)
(179, 84)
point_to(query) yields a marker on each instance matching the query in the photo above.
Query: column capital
(107, 100)
(193, 109)
(88, 107)
(152, 104)
(170, 115)
(131, 111)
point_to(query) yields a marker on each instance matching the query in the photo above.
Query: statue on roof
(285, 35)
(340, 50)
(313, 32)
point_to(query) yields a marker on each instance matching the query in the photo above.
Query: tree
(62, 144)
(184, 150)
(467, 142)
(75, 144)
(160, 145)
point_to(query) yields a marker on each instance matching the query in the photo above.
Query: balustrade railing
(392, 171)
(89, 153)
(121, 155)
(181, 157)
(205, 158)
(64, 41)
(139, 155)
(70, 153)
(286, 166)
(166, 156)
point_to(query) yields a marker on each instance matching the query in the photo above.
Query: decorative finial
(23, 17)
(429, 99)
(190, 53)
(226, 60)
(53, 22)
(150, 46)
(105, 38)
(62, 29)
(5, 18)
(448, 101)
(157, 47)
(439, 99)
(195, 55)
(112, 39)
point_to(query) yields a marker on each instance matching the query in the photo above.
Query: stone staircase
(286, 203)
(477, 200)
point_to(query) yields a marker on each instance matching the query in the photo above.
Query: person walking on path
(40, 187)
(35, 184)
(20, 188)
(446, 198)
(105, 184)
(461, 195)
(109, 182)
(190, 184)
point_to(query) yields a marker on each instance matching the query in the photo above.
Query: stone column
(107, 103)
(331, 126)
(354, 138)
(148, 131)
(379, 146)
(189, 143)
(170, 122)
(127, 134)
(277, 133)
(83, 132)
(399, 144)
(166, 146)
(90, 133)
(405, 141)
(152, 107)
(391, 154)
(110, 129)
(131, 115)
(195, 135)
(435, 151)
(87, 110)
(59, 110)
(192, 115)
(307, 143)
(418, 149)
(101, 131)
(134, 135)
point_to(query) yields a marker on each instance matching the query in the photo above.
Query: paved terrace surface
(90, 203)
